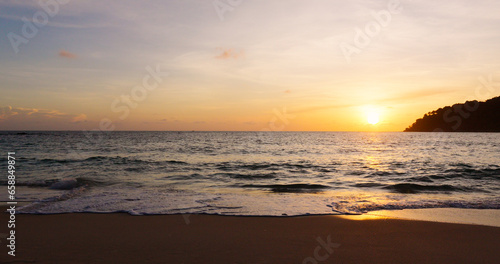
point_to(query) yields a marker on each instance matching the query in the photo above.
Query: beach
(123, 238)
(248, 197)
(260, 132)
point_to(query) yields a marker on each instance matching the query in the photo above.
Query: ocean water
(251, 173)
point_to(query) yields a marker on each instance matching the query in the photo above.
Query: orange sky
(256, 65)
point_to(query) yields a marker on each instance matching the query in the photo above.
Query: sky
(257, 65)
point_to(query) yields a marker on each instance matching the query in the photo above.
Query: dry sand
(122, 238)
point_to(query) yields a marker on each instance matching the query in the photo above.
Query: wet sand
(122, 238)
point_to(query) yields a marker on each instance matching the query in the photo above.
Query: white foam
(65, 184)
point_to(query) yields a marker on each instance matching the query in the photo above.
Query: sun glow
(372, 117)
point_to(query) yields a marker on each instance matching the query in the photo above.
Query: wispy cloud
(49, 23)
(19, 114)
(319, 108)
(415, 95)
(67, 54)
(267, 55)
(229, 54)
(79, 118)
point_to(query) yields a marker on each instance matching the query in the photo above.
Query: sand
(122, 238)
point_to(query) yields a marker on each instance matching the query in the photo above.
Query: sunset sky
(242, 65)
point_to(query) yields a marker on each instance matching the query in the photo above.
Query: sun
(372, 117)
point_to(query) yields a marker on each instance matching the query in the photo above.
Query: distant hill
(471, 116)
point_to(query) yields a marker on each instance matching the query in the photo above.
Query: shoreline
(123, 238)
(451, 215)
(467, 216)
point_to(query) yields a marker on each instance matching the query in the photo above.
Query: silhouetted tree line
(471, 116)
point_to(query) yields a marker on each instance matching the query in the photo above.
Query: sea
(250, 173)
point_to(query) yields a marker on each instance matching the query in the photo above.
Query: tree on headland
(471, 116)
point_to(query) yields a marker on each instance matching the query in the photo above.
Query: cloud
(228, 54)
(67, 54)
(79, 118)
(320, 107)
(413, 95)
(165, 120)
(49, 24)
(18, 114)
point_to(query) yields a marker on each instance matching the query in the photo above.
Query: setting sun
(267, 118)
(372, 117)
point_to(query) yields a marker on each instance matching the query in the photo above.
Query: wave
(422, 179)
(469, 172)
(61, 184)
(293, 188)
(247, 176)
(367, 185)
(69, 194)
(64, 184)
(417, 188)
(362, 207)
(296, 167)
(112, 160)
